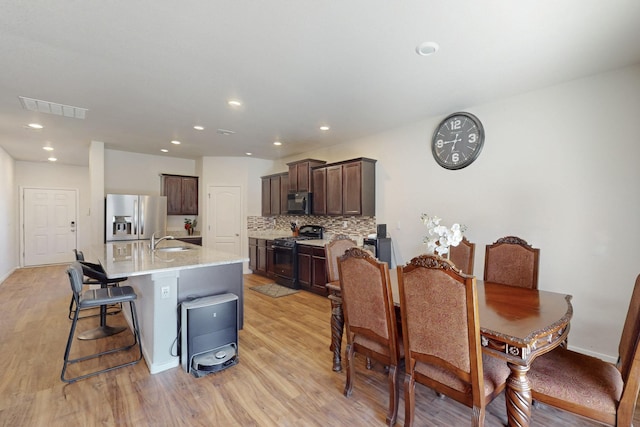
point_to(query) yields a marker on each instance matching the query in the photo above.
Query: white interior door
(50, 224)
(224, 218)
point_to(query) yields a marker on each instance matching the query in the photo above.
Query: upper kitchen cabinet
(182, 194)
(274, 194)
(319, 189)
(300, 178)
(350, 187)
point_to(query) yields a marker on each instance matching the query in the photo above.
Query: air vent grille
(47, 107)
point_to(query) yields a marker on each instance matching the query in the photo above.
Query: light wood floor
(284, 377)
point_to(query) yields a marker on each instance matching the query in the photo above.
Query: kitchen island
(175, 272)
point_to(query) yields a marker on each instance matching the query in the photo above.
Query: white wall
(244, 172)
(558, 168)
(51, 175)
(133, 173)
(8, 217)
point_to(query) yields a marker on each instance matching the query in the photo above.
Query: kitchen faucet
(154, 242)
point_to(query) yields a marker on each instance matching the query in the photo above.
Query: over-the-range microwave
(299, 203)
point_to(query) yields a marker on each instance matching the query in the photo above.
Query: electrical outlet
(165, 291)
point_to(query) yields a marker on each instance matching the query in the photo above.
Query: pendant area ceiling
(147, 71)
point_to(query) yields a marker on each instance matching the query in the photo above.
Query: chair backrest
(440, 326)
(367, 304)
(334, 249)
(462, 255)
(512, 261)
(79, 255)
(74, 271)
(629, 352)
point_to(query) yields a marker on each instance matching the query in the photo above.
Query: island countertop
(134, 258)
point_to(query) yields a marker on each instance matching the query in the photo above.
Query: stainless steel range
(285, 254)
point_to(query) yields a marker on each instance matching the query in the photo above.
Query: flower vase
(190, 231)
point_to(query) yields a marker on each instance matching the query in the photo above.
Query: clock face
(457, 141)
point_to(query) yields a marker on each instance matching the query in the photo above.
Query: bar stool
(95, 298)
(95, 275)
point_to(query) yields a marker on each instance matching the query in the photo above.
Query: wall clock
(457, 141)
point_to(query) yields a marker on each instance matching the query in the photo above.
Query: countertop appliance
(299, 203)
(285, 254)
(381, 248)
(134, 217)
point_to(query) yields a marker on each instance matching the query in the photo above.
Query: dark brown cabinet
(312, 274)
(253, 254)
(261, 264)
(319, 191)
(182, 194)
(274, 200)
(261, 257)
(192, 240)
(300, 178)
(271, 271)
(284, 191)
(350, 188)
(334, 190)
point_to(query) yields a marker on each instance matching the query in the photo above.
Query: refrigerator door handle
(142, 213)
(135, 217)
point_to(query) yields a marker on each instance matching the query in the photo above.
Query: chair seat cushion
(104, 296)
(495, 371)
(582, 380)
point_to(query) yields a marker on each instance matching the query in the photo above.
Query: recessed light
(427, 48)
(234, 103)
(174, 142)
(324, 128)
(248, 154)
(47, 148)
(52, 159)
(164, 150)
(277, 143)
(35, 126)
(198, 127)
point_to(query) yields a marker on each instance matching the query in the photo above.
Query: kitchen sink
(174, 249)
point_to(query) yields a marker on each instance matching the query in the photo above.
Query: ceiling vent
(40, 106)
(225, 132)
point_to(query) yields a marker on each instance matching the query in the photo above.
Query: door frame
(21, 243)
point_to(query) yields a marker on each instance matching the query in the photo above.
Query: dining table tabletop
(516, 325)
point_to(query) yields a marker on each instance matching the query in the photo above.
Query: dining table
(516, 325)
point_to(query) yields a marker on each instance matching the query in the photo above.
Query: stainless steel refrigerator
(135, 217)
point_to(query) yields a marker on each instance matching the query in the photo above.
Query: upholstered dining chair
(370, 321)
(335, 248)
(462, 255)
(589, 386)
(512, 261)
(441, 332)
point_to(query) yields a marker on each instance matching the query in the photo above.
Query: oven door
(285, 265)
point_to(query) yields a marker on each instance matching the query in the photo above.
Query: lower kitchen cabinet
(261, 257)
(271, 271)
(192, 240)
(312, 274)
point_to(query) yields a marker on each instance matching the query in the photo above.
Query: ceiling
(149, 70)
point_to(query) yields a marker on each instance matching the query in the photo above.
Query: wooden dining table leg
(337, 328)
(518, 396)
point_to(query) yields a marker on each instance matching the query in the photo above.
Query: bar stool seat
(94, 274)
(98, 298)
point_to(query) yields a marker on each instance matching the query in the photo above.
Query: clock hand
(454, 142)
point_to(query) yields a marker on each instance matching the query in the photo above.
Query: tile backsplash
(356, 226)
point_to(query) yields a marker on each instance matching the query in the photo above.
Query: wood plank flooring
(284, 376)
